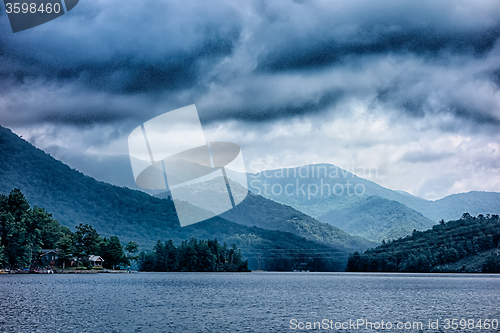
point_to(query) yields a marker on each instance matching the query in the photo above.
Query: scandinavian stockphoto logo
(170, 152)
(31, 13)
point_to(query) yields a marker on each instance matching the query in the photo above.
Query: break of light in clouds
(411, 87)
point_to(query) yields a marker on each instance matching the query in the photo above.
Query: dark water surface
(241, 302)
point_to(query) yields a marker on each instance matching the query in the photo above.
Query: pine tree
(113, 253)
(66, 248)
(16, 240)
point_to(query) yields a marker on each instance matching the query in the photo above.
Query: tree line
(193, 256)
(25, 231)
(436, 249)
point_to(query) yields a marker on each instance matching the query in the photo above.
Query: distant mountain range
(257, 211)
(362, 207)
(327, 220)
(342, 211)
(74, 198)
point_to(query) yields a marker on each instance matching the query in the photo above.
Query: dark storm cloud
(106, 62)
(411, 86)
(411, 103)
(477, 116)
(410, 94)
(420, 40)
(172, 52)
(122, 73)
(129, 77)
(311, 34)
(495, 76)
(82, 118)
(262, 112)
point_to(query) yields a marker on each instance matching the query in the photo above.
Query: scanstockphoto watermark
(358, 324)
(433, 325)
(312, 181)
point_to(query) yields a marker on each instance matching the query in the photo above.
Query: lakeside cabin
(96, 261)
(48, 257)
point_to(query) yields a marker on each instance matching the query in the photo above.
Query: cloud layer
(409, 86)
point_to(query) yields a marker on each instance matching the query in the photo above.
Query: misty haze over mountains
(355, 205)
(279, 240)
(362, 207)
(346, 188)
(117, 171)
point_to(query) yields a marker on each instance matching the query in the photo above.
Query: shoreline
(92, 271)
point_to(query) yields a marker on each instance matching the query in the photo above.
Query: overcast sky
(410, 87)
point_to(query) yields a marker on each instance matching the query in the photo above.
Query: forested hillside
(257, 211)
(73, 198)
(324, 191)
(377, 219)
(265, 213)
(435, 250)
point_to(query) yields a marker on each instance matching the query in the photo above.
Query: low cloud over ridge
(403, 76)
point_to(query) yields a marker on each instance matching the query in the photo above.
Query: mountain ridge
(257, 211)
(324, 209)
(73, 198)
(322, 197)
(378, 219)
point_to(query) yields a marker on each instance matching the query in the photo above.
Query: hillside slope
(74, 198)
(257, 211)
(377, 219)
(324, 190)
(447, 247)
(264, 213)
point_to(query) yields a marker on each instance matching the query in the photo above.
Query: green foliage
(264, 213)
(87, 241)
(431, 250)
(266, 249)
(74, 198)
(376, 219)
(66, 247)
(1, 253)
(24, 231)
(112, 252)
(193, 256)
(132, 248)
(492, 264)
(272, 250)
(49, 229)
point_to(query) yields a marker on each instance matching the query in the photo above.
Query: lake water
(243, 302)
